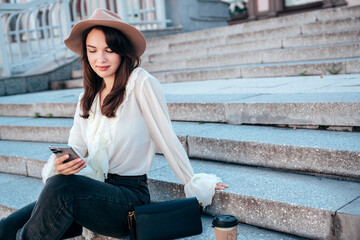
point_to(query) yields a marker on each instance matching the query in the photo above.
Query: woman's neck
(108, 83)
(106, 89)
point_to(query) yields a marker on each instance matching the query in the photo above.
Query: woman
(120, 119)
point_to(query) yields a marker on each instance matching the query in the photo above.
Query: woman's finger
(74, 164)
(221, 186)
(70, 167)
(60, 160)
(75, 168)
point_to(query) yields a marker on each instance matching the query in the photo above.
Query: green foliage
(37, 115)
(237, 6)
(303, 73)
(334, 70)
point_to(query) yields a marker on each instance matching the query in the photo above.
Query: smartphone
(60, 150)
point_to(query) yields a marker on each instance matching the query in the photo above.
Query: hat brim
(74, 42)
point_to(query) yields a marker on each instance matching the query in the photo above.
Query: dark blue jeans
(68, 202)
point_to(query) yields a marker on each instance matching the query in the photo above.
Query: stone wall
(37, 82)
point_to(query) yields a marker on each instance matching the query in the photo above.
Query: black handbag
(166, 220)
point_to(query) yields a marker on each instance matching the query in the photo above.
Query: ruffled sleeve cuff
(202, 186)
(49, 169)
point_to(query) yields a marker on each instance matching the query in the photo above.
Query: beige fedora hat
(104, 17)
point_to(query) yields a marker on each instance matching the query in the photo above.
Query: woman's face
(102, 59)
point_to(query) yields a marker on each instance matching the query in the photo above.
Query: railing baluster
(160, 13)
(111, 7)
(67, 12)
(37, 29)
(28, 35)
(121, 6)
(74, 11)
(89, 7)
(4, 60)
(53, 29)
(44, 26)
(132, 16)
(142, 10)
(61, 35)
(17, 35)
(82, 9)
(8, 30)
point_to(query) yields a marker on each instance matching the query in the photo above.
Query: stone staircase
(242, 112)
(314, 43)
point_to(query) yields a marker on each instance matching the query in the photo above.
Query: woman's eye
(92, 51)
(109, 51)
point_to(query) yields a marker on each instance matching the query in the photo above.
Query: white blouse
(127, 143)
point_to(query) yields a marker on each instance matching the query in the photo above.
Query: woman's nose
(102, 57)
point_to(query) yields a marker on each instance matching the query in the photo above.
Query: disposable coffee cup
(225, 227)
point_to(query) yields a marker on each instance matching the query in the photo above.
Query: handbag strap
(207, 213)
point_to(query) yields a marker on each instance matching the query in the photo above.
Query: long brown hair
(119, 44)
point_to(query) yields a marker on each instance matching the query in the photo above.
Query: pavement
(327, 88)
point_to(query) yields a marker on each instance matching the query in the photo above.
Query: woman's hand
(221, 186)
(68, 168)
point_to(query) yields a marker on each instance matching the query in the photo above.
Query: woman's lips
(103, 68)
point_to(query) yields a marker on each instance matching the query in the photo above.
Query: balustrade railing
(32, 33)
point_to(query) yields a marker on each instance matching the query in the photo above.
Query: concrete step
(76, 74)
(330, 25)
(323, 38)
(292, 100)
(300, 205)
(225, 39)
(335, 154)
(297, 31)
(312, 33)
(338, 51)
(348, 15)
(306, 206)
(71, 83)
(332, 100)
(20, 186)
(283, 69)
(209, 47)
(321, 113)
(60, 103)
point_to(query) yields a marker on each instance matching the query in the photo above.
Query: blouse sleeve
(76, 141)
(154, 109)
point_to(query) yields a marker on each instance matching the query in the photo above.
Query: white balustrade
(32, 33)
